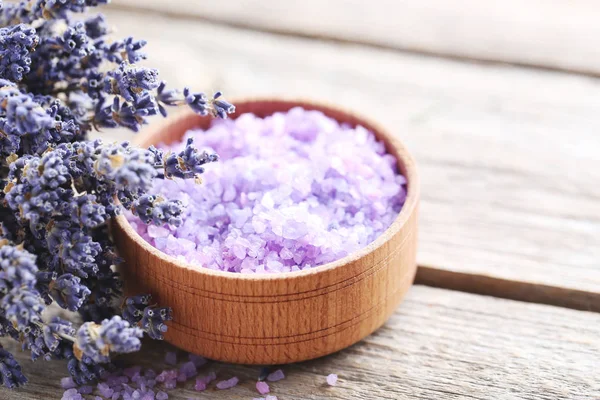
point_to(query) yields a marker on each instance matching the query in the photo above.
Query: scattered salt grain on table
(276, 376)
(332, 379)
(262, 387)
(71, 394)
(161, 396)
(188, 370)
(67, 383)
(228, 384)
(290, 192)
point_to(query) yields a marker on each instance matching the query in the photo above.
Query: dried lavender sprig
(59, 78)
(10, 371)
(97, 341)
(187, 164)
(137, 310)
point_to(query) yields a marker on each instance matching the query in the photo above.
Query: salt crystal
(271, 397)
(262, 387)
(170, 384)
(105, 390)
(67, 383)
(161, 396)
(200, 385)
(229, 383)
(157, 231)
(258, 225)
(71, 394)
(332, 379)
(188, 369)
(276, 376)
(127, 389)
(210, 377)
(239, 251)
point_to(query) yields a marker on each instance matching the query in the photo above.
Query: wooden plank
(556, 34)
(440, 344)
(508, 156)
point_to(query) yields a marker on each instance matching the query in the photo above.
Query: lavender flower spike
(10, 371)
(112, 335)
(187, 163)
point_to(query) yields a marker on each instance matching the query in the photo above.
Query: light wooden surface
(507, 156)
(440, 344)
(557, 34)
(280, 318)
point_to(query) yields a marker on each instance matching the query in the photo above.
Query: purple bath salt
(290, 192)
(332, 379)
(228, 384)
(161, 396)
(170, 384)
(206, 379)
(71, 394)
(276, 376)
(270, 397)
(188, 369)
(167, 375)
(67, 383)
(105, 390)
(200, 385)
(262, 387)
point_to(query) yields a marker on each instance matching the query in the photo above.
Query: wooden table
(499, 105)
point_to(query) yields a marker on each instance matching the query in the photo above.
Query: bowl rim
(381, 133)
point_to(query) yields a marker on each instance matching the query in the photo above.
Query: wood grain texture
(559, 34)
(279, 318)
(507, 156)
(439, 344)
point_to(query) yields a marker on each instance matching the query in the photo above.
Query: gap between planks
(555, 35)
(507, 289)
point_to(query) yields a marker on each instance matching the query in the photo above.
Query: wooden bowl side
(277, 318)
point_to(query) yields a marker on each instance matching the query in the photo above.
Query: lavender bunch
(61, 78)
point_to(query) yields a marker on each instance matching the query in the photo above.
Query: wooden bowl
(277, 318)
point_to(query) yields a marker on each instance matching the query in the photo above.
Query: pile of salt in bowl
(291, 191)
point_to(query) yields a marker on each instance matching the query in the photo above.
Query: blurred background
(498, 101)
